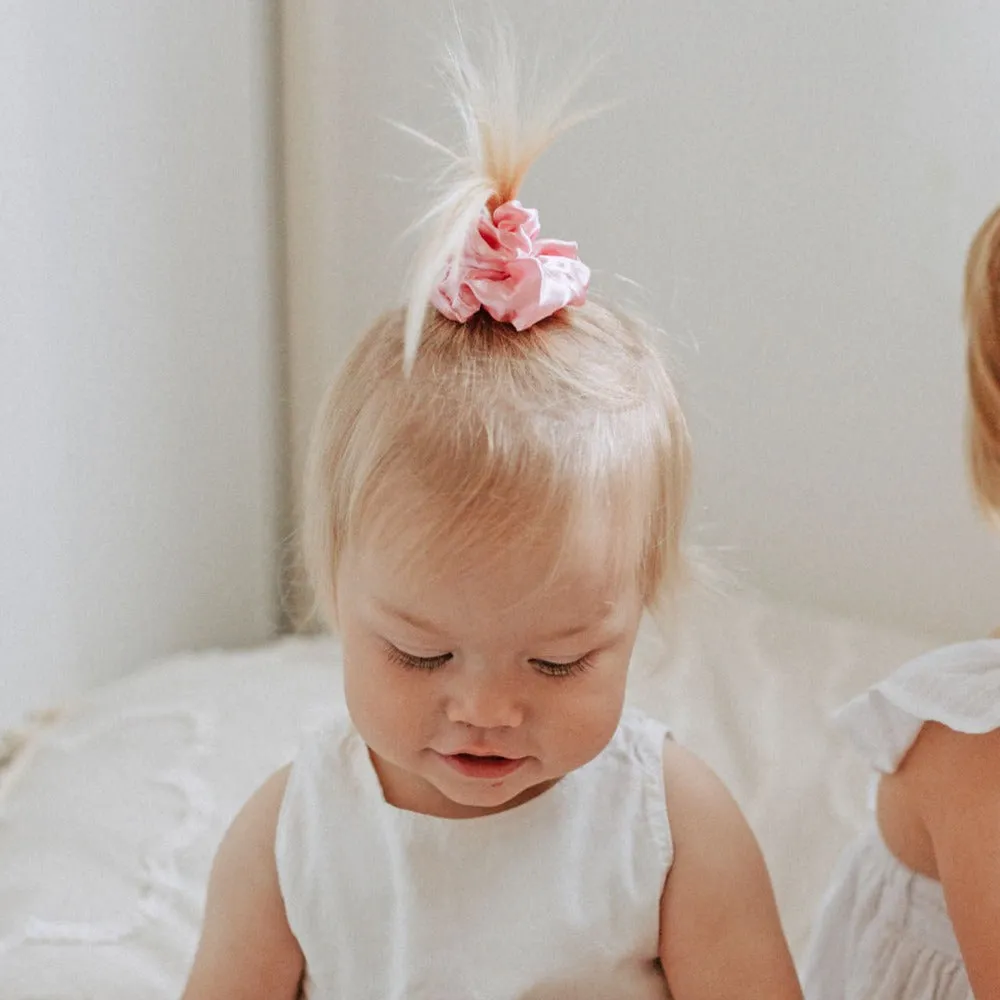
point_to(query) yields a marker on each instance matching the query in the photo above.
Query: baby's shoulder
(697, 798)
(718, 909)
(942, 799)
(244, 911)
(249, 841)
(712, 838)
(953, 764)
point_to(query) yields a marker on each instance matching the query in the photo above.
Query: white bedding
(110, 817)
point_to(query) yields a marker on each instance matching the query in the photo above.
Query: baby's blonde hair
(479, 435)
(982, 320)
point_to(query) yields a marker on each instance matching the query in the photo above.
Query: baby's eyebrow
(421, 624)
(606, 613)
(573, 631)
(425, 625)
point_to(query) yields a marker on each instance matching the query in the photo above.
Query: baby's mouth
(485, 766)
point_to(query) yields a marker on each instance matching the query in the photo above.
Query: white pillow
(107, 835)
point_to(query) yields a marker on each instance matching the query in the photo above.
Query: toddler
(913, 912)
(495, 495)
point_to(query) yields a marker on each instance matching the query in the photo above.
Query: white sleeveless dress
(883, 932)
(556, 899)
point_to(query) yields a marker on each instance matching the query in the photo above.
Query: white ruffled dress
(883, 932)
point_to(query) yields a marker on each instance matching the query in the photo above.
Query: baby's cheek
(587, 721)
(365, 694)
(603, 707)
(386, 703)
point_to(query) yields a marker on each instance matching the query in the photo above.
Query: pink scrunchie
(506, 270)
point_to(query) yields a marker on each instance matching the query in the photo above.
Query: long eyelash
(551, 669)
(416, 662)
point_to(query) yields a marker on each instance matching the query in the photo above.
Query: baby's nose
(485, 702)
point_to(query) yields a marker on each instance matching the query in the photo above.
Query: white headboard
(794, 187)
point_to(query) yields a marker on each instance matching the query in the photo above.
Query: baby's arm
(720, 935)
(247, 950)
(953, 782)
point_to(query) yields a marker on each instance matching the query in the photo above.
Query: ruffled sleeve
(957, 686)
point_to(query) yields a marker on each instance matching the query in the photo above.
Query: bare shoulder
(951, 761)
(246, 859)
(945, 780)
(943, 774)
(247, 950)
(720, 933)
(951, 781)
(712, 840)
(692, 789)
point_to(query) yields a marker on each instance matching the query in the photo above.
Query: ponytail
(503, 134)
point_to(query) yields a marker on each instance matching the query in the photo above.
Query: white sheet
(107, 834)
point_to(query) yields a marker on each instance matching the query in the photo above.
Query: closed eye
(412, 662)
(553, 669)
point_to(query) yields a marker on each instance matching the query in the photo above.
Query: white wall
(794, 185)
(137, 350)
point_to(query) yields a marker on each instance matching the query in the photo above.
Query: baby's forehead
(521, 585)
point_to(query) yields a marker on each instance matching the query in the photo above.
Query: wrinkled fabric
(511, 273)
(883, 932)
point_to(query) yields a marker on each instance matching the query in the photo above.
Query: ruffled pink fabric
(506, 270)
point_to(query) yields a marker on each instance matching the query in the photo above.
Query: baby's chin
(467, 801)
